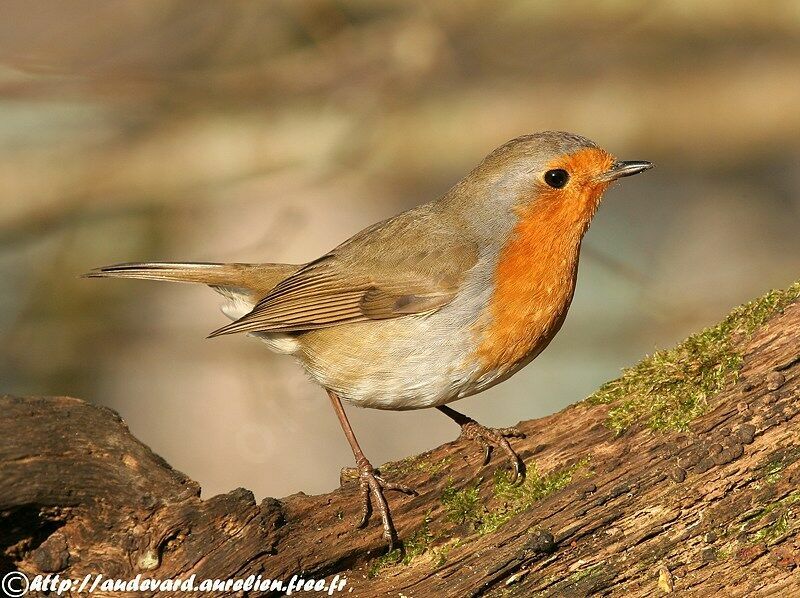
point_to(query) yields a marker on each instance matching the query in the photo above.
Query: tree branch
(712, 508)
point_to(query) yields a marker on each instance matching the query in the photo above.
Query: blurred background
(272, 131)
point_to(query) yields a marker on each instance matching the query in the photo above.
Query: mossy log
(695, 491)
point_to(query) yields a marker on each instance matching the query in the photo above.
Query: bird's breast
(533, 286)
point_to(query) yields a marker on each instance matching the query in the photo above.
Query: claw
(373, 486)
(366, 505)
(492, 437)
(519, 470)
(398, 487)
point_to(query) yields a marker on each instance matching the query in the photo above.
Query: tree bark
(713, 510)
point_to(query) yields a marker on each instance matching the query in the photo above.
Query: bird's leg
(371, 483)
(489, 438)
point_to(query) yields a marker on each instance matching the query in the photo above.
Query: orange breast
(535, 275)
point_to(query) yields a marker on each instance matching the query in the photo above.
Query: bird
(437, 303)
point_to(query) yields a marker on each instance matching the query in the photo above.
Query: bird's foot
(490, 438)
(373, 486)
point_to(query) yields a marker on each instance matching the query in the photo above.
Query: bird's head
(553, 172)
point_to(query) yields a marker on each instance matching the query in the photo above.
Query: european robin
(435, 304)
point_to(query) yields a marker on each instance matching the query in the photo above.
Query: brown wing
(397, 268)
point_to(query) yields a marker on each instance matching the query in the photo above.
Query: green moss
(435, 466)
(443, 551)
(403, 466)
(773, 471)
(781, 519)
(671, 387)
(462, 506)
(776, 463)
(582, 574)
(585, 582)
(774, 530)
(416, 545)
(414, 464)
(518, 498)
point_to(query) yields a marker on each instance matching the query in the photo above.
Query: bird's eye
(556, 178)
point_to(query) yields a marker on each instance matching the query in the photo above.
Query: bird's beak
(625, 168)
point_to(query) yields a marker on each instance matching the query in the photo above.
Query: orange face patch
(581, 195)
(535, 275)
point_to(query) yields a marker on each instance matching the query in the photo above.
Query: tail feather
(257, 278)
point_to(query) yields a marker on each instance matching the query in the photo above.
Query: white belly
(410, 362)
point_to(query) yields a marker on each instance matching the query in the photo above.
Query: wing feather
(353, 283)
